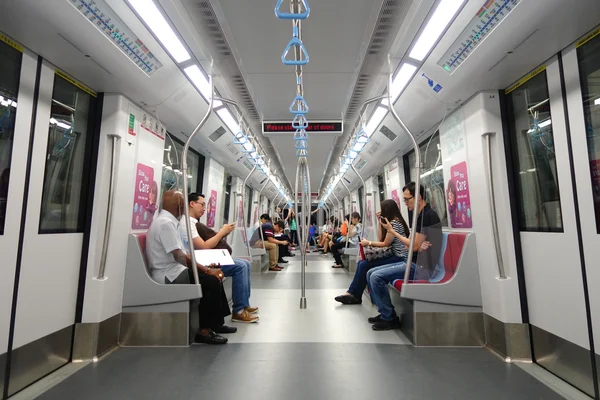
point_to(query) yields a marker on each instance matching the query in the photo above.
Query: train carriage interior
(265, 199)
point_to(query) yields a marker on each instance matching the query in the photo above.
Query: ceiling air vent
(388, 133)
(217, 134)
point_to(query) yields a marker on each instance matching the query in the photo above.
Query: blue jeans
(359, 282)
(378, 278)
(240, 273)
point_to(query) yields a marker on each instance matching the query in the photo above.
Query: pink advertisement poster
(459, 199)
(145, 197)
(255, 219)
(212, 209)
(240, 220)
(395, 197)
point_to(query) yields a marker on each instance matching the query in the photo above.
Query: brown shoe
(275, 268)
(244, 316)
(252, 310)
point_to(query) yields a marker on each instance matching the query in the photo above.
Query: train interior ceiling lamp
(314, 126)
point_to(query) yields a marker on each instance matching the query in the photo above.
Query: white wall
(500, 297)
(103, 298)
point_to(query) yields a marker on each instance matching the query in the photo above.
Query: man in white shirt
(240, 271)
(171, 265)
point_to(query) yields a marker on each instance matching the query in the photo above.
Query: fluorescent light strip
(597, 102)
(228, 119)
(201, 82)
(402, 78)
(155, 20)
(375, 120)
(440, 19)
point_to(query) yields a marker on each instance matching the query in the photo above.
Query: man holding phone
(266, 233)
(240, 271)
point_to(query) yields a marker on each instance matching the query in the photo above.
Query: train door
(54, 171)
(551, 214)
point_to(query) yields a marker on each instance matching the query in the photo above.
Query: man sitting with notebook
(239, 271)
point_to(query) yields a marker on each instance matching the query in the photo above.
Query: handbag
(377, 253)
(206, 233)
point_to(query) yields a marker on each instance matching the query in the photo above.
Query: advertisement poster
(395, 197)
(255, 219)
(212, 209)
(458, 198)
(145, 197)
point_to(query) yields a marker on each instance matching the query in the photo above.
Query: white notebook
(216, 256)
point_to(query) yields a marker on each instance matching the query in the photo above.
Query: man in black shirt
(427, 248)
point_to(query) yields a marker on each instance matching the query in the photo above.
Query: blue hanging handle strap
(299, 122)
(240, 138)
(299, 106)
(301, 152)
(301, 144)
(300, 134)
(295, 42)
(284, 15)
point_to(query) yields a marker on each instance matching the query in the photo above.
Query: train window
(381, 186)
(432, 174)
(173, 167)
(66, 181)
(533, 151)
(248, 204)
(10, 70)
(361, 193)
(227, 198)
(589, 71)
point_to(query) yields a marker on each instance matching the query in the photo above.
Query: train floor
(327, 351)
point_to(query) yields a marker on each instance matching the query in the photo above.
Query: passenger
(239, 272)
(354, 229)
(171, 265)
(270, 243)
(283, 242)
(427, 248)
(291, 218)
(389, 210)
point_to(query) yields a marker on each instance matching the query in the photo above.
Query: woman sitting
(389, 210)
(352, 237)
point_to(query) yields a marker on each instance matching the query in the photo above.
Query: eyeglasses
(407, 199)
(203, 204)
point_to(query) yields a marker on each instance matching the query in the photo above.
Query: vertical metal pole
(490, 183)
(417, 195)
(111, 199)
(186, 206)
(244, 217)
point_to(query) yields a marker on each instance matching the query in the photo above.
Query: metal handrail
(244, 216)
(417, 180)
(109, 211)
(490, 183)
(302, 174)
(186, 207)
(364, 203)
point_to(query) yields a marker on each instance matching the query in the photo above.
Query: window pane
(173, 167)
(67, 159)
(432, 175)
(589, 70)
(533, 152)
(10, 70)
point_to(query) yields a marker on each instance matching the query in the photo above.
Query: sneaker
(225, 329)
(384, 325)
(211, 338)
(252, 310)
(244, 316)
(373, 320)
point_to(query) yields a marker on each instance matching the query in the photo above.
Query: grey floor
(327, 351)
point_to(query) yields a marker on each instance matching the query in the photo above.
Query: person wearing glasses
(170, 264)
(389, 210)
(239, 272)
(427, 248)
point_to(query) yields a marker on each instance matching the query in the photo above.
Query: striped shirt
(398, 248)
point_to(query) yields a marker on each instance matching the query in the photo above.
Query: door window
(10, 70)
(68, 157)
(589, 71)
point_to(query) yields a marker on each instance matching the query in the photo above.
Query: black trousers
(335, 250)
(284, 250)
(213, 307)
